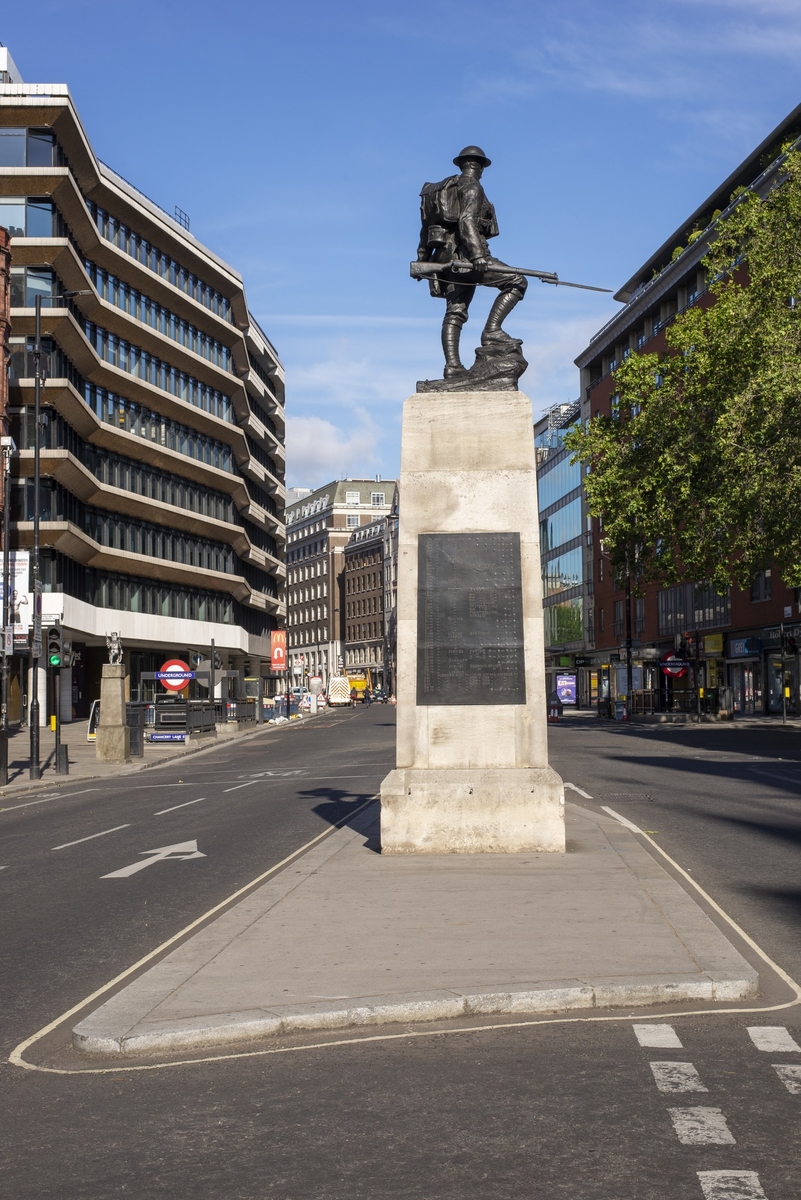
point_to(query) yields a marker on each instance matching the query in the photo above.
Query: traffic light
(55, 648)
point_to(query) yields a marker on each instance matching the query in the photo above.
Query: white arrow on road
(182, 850)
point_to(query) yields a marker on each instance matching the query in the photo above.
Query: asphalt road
(560, 1109)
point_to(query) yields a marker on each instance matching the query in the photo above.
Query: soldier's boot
(492, 334)
(451, 335)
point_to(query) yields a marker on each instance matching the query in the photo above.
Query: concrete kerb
(134, 768)
(127, 1024)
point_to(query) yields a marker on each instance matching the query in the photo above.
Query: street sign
(174, 675)
(8, 640)
(674, 666)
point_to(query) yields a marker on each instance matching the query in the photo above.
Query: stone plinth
(113, 743)
(471, 777)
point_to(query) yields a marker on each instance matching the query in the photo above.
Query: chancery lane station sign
(470, 619)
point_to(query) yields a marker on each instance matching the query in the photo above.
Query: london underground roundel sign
(673, 666)
(174, 675)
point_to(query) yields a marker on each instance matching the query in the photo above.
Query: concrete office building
(319, 525)
(162, 514)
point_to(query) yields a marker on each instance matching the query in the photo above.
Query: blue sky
(297, 137)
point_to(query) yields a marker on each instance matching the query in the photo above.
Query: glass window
(352, 498)
(12, 213)
(12, 147)
(40, 283)
(562, 526)
(40, 218)
(562, 572)
(41, 144)
(557, 482)
(352, 520)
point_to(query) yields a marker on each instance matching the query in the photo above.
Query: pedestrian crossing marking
(657, 1037)
(701, 1127)
(731, 1185)
(773, 1039)
(677, 1077)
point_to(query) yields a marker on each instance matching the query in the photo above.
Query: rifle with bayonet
(456, 270)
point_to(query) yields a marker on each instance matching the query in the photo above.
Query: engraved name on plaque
(470, 619)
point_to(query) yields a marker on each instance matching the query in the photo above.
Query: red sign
(673, 666)
(278, 650)
(175, 674)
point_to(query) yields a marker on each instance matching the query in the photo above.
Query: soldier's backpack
(439, 202)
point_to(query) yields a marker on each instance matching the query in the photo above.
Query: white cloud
(318, 451)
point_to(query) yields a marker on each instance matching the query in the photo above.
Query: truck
(339, 691)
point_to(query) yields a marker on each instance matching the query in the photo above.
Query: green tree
(698, 471)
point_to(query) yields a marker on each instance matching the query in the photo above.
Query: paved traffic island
(344, 936)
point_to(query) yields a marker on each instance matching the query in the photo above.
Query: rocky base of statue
(497, 368)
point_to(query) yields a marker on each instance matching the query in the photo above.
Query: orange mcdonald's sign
(278, 650)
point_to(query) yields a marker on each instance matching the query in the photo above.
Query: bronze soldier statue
(457, 221)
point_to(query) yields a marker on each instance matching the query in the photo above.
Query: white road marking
(102, 833)
(573, 788)
(623, 821)
(774, 1039)
(731, 1185)
(659, 1037)
(677, 1077)
(790, 1075)
(47, 799)
(775, 775)
(701, 1127)
(162, 811)
(180, 851)
(278, 774)
(241, 785)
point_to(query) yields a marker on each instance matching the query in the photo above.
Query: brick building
(319, 526)
(732, 640)
(364, 602)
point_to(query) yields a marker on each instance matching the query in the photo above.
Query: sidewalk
(83, 762)
(344, 937)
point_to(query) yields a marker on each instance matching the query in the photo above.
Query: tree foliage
(699, 470)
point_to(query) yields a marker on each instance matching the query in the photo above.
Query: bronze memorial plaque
(470, 619)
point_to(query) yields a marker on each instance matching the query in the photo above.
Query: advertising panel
(566, 688)
(278, 650)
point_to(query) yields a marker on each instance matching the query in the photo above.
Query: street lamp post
(8, 449)
(36, 647)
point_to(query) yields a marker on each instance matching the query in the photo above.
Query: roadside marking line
(657, 1037)
(622, 820)
(774, 966)
(573, 788)
(47, 799)
(731, 1185)
(790, 1077)
(162, 811)
(701, 1127)
(241, 785)
(16, 1054)
(774, 1039)
(102, 833)
(17, 1060)
(677, 1077)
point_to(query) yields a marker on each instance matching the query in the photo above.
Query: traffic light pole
(33, 709)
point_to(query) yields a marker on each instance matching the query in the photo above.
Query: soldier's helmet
(474, 152)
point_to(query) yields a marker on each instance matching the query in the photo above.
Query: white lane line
(658, 1037)
(731, 1185)
(102, 833)
(162, 811)
(701, 1127)
(573, 788)
(623, 820)
(47, 799)
(677, 1077)
(775, 776)
(774, 1039)
(790, 1076)
(241, 785)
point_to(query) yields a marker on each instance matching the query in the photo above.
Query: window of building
(29, 217)
(377, 499)
(28, 148)
(352, 520)
(639, 614)
(557, 482)
(29, 282)
(562, 526)
(761, 587)
(618, 618)
(352, 497)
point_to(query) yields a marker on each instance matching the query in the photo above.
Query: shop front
(745, 674)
